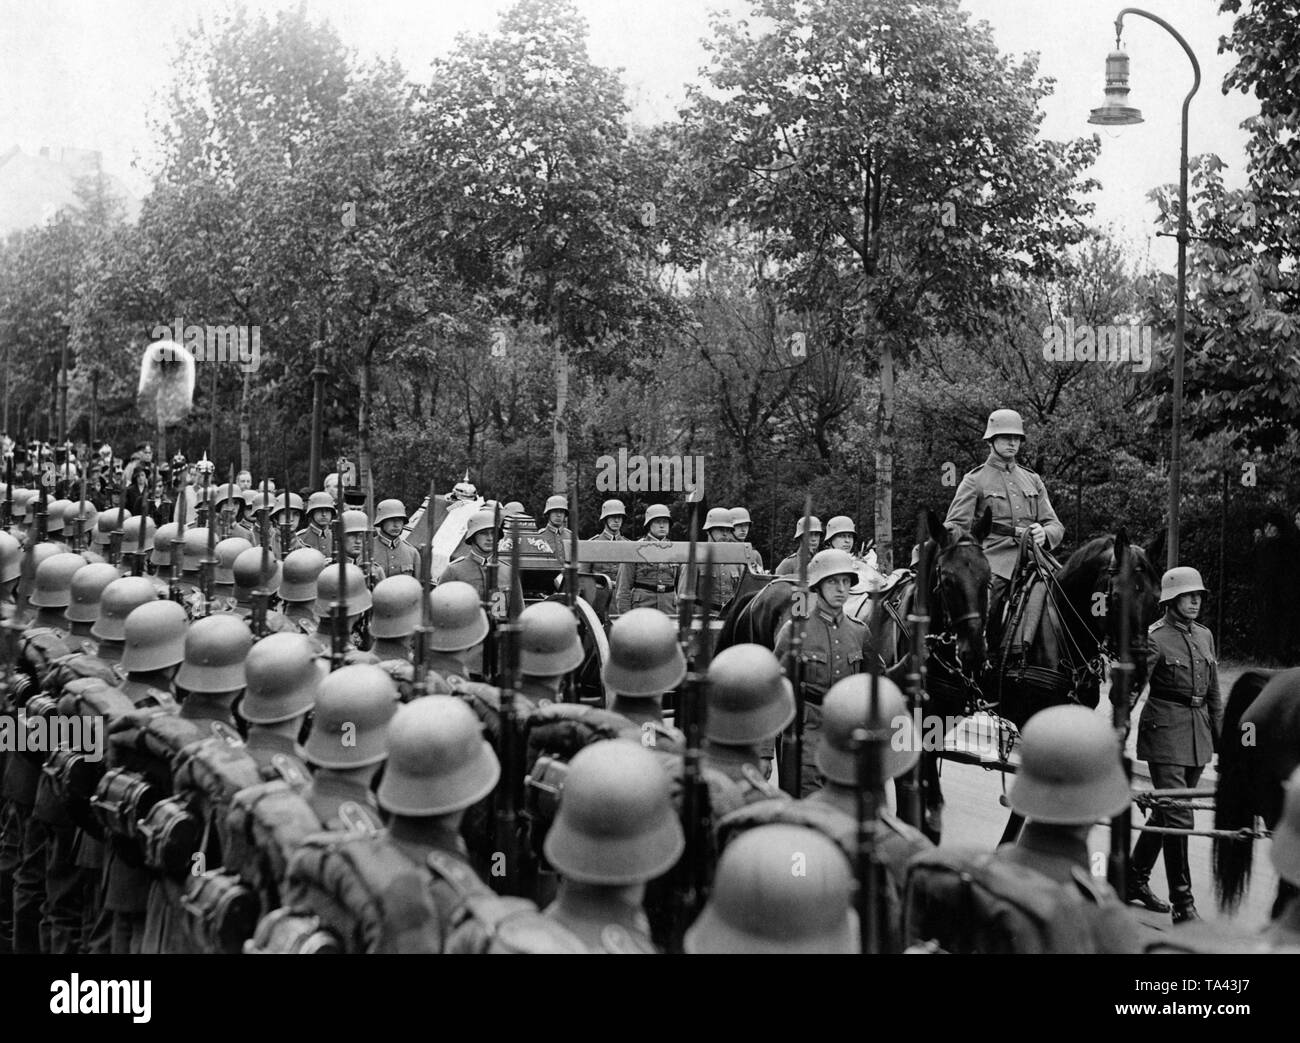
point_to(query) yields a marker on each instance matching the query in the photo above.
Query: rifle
(262, 595)
(693, 872)
(286, 529)
(28, 581)
(508, 789)
(119, 531)
(873, 918)
(570, 694)
(686, 604)
(420, 649)
(6, 519)
(209, 563)
(491, 598)
(1121, 681)
(338, 610)
(178, 540)
(912, 784)
(77, 534)
(137, 566)
(790, 767)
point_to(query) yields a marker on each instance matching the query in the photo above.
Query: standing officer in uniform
(356, 530)
(644, 584)
(319, 534)
(392, 553)
(556, 532)
(1177, 733)
(472, 568)
(790, 564)
(834, 646)
(841, 533)
(612, 515)
(726, 578)
(740, 523)
(1019, 502)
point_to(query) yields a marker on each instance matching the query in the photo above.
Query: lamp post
(1116, 112)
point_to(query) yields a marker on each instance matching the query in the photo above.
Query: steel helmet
(841, 523)
(87, 588)
(215, 649)
(479, 521)
(11, 558)
(53, 587)
(548, 640)
(846, 709)
(248, 572)
(56, 512)
(556, 503)
(31, 563)
(458, 619)
(814, 525)
(295, 504)
(355, 522)
(131, 532)
(281, 674)
(227, 551)
(80, 517)
(612, 509)
(396, 607)
(1181, 580)
(227, 492)
(353, 707)
(718, 518)
(358, 597)
(1004, 422)
(1070, 771)
(657, 510)
(256, 501)
(22, 500)
(828, 563)
(759, 905)
(154, 636)
(320, 501)
(438, 760)
(740, 516)
(513, 509)
(390, 509)
(1285, 850)
(162, 543)
(195, 549)
(749, 698)
(33, 505)
(108, 523)
(299, 573)
(117, 601)
(616, 823)
(644, 656)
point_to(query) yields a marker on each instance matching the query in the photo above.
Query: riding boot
(1145, 852)
(1179, 875)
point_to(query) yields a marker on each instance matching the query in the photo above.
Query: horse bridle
(1114, 606)
(954, 621)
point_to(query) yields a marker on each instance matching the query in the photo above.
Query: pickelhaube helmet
(11, 558)
(438, 760)
(718, 518)
(814, 525)
(357, 594)
(616, 824)
(845, 710)
(248, 572)
(828, 563)
(87, 588)
(749, 698)
(282, 673)
(355, 522)
(226, 552)
(389, 509)
(548, 640)
(457, 617)
(1180, 580)
(1004, 422)
(612, 509)
(117, 601)
(464, 489)
(644, 656)
(321, 501)
(1285, 850)
(396, 607)
(53, 587)
(215, 649)
(758, 905)
(480, 521)
(162, 543)
(841, 523)
(299, 573)
(1070, 771)
(353, 707)
(657, 510)
(154, 636)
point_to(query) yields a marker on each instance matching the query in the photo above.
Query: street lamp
(1116, 112)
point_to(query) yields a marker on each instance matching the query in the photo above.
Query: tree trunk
(365, 480)
(885, 461)
(560, 427)
(245, 428)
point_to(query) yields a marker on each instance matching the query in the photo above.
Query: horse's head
(960, 586)
(1143, 598)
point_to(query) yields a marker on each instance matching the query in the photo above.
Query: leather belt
(661, 588)
(1193, 701)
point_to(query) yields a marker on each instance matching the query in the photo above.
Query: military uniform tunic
(1184, 711)
(608, 568)
(395, 557)
(645, 584)
(318, 539)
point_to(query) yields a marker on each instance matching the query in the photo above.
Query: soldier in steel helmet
(298, 578)
(249, 578)
(645, 661)
(230, 508)
(472, 567)
(834, 646)
(348, 744)
(392, 553)
(319, 533)
(790, 564)
(223, 573)
(356, 530)
(394, 616)
(647, 584)
(356, 598)
(286, 513)
(1178, 732)
(740, 525)
(1019, 502)
(726, 577)
(282, 674)
(458, 627)
(549, 650)
(211, 677)
(555, 533)
(612, 516)
(616, 830)
(749, 703)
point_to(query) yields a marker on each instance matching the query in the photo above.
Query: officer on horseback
(1019, 502)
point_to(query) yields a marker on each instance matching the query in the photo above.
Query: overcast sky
(85, 72)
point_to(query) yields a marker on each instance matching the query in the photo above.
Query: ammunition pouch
(282, 932)
(220, 911)
(170, 835)
(73, 777)
(122, 799)
(542, 788)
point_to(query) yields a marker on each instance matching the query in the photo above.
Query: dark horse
(1258, 751)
